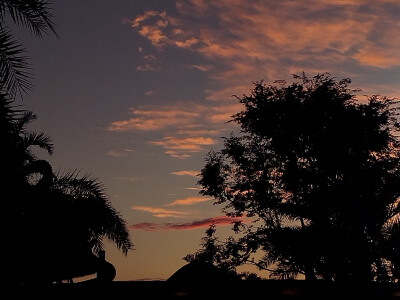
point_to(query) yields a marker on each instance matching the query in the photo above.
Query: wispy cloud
(160, 212)
(193, 189)
(116, 153)
(146, 68)
(184, 147)
(187, 127)
(150, 118)
(267, 39)
(203, 68)
(150, 62)
(131, 179)
(153, 30)
(239, 42)
(188, 201)
(186, 173)
(222, 221)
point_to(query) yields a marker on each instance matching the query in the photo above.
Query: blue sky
(136, 92)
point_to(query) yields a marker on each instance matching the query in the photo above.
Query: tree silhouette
(59, 221)
(318, 171)
(214, 253)
(14, 68)
(73, 216)
(16, 156)
(54, 224)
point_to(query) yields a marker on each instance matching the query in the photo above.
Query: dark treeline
(53, 224)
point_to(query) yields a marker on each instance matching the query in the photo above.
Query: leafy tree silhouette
(214, 253)
(318, 171)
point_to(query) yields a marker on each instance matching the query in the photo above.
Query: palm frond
(24, 120)
(14, 68)
(102, 219)
(39, 139)
(32, 14)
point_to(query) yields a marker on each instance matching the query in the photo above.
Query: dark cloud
(222, 220)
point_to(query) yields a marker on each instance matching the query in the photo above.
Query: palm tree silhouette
(54, 223)
(73, 215)
(34, 15)
(66, 216)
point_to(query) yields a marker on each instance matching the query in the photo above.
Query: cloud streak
(160, 212)
(267, 39)
(239, 42)
(186, 173)
(222, 221)
(188, 127)
(184, 147)
(188, 201)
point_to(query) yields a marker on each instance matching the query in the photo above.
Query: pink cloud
(240, 42)
(187, 43)
(152, 31)
(223, 221)
(160, 212)
(147, 118)
(265, 39)
(183, 147)
(188, 201)
(187, 127)
(186, 173)
(183, 118)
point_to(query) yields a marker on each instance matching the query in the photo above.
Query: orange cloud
(377, 56)
(186, 173)
(147, 118)
(239, 42)
(187, 127)
(223, 220)
(152, 32)
(187, 43)
(160, 212)
(265, 39)
(188, 201)
(183, 147)
(188, 119)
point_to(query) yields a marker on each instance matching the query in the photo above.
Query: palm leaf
(32, 14)
(93, 206)
(39, 139)
(14, 69)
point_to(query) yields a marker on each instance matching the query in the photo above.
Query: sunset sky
(136, 92)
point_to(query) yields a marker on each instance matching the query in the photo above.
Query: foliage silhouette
(318, 172)
(14, 68)
(60, 219)
(54, 223)
(213, 253)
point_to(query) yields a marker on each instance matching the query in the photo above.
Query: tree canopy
(317, 170)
